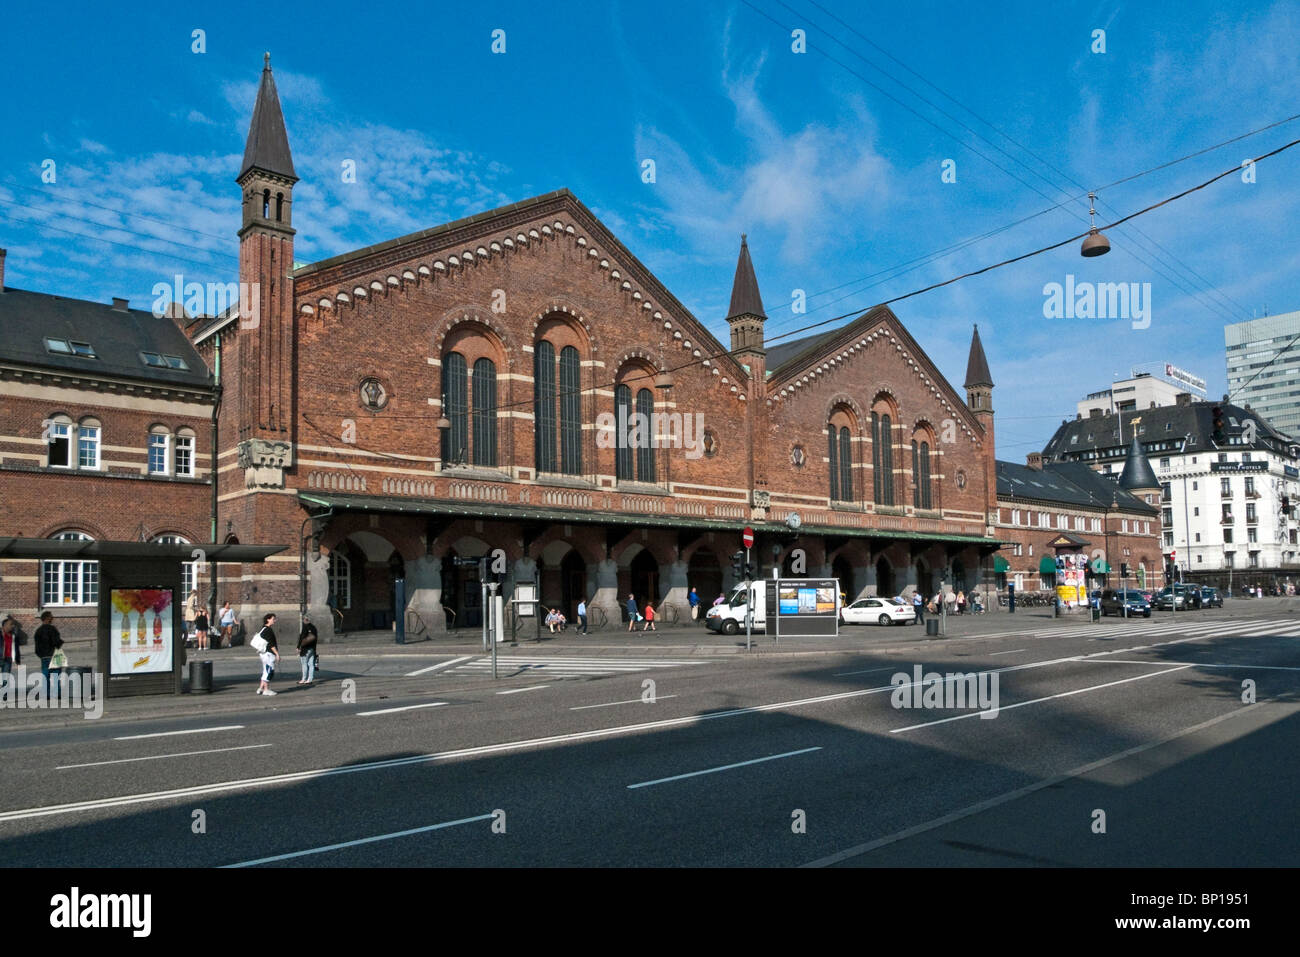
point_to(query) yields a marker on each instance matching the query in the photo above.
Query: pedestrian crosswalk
(1141, 627)
(554, 666)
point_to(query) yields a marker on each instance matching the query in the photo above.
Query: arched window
(455, 440)
(266, 204)
(645, 453)
(570, 411)
(160, 441)
(926, 485)
(184, 442)
(544, 405)
(916, 475)
(485, 413)
(846, 464)
(340, 580)
(883, 455)
(88, 444)
(624, 427)
(876, 483)
(59, 436)
(279, 206)
(833, 446)
(190, 571)
(69, 583)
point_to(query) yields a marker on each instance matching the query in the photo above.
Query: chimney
(1095, 413)
(1183, 398)
(2, 270)
(119, 305)
(1035, 461)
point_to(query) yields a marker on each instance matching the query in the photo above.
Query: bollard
(931, 627)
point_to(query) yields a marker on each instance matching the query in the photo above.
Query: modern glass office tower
(1271, 388)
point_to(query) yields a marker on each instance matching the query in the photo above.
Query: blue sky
(838, 185)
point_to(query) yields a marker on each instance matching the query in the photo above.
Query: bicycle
(596, 618)
(668, 614)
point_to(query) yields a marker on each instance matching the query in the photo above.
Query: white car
(878, 611)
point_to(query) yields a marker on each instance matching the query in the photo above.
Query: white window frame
(190, 571)
(184, 443)
(165, 454)
(64, 429)
(75, 584)
(88, 438)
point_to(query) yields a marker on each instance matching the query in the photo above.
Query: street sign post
(747, 539)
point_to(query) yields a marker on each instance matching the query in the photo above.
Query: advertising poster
(789, 601)
(140, 631)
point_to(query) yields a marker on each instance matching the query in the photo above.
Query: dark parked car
(1115, 601)
(1178, 598)
(1210, 598)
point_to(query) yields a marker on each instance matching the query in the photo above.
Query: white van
(800, 598)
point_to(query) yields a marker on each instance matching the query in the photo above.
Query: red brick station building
(449, 393)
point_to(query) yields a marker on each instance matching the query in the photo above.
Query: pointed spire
(745, 300)
(977, 367)
(268, 142)
(1137, 473)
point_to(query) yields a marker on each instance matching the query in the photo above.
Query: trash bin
(87, 678)
(931, 627)
(201, 677)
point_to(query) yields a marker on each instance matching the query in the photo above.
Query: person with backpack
(268, 652)
(307, 651)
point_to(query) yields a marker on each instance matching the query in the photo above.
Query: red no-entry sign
(747, 537)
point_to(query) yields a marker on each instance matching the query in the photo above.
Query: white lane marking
(409, 707)
(725, 767)
(869, 671)
(167, 734)
(1201, 664)
(529, 688)
(159, 757)
(298, 776)
(438, 667)
(364, 840)
(1014, 651)
(1028, 789)
(1050, 697)
(610, 704)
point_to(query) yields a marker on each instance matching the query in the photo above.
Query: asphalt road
(777, 761)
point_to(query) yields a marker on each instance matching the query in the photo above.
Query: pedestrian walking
(227, 622)
(48, 642)
(694, 600)
(633, 616)
(191, 613)
(950, 599)
(582, 616)
(918, 606)
(9, 653)
(307, 651)
(270, 655)
(201, 629)
(649, 618)
(961, 603)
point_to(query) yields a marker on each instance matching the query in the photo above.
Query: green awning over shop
(1000, 565)
(1047, 565)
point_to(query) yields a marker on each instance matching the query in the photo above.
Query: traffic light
(1123, 569)
(1286, 505)
(738, 566)
(751, 569)
(1219, 436)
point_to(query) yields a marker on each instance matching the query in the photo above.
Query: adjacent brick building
(477, 389)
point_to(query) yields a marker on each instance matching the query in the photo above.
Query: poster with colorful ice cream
(140, 631)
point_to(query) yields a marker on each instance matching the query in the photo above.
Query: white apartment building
(1221, 502)
(1160, 386)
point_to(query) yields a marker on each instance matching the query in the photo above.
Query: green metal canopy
(1001, 565)
(1047, 565)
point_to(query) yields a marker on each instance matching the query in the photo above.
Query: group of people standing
(47, 643)
(269, 655)
(199, 626)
